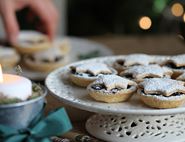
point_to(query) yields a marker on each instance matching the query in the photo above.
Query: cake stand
(130, 121)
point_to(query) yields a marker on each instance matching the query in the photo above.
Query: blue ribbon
(56, 123)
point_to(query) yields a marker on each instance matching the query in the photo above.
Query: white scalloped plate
(59, 85)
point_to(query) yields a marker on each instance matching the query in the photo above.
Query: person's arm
(44, 9)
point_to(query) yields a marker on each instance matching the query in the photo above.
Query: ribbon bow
(54, 124)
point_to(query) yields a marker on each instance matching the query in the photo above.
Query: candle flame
(1, 74)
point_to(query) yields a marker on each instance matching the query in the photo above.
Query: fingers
(46, 12)
(53, 11)
(7, 11)
(48, 15)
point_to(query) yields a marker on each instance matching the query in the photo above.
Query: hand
(44, 9)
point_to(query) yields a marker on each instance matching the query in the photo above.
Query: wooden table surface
(160, 45)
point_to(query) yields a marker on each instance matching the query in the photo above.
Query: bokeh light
(145, 23)
(177, 9)
(184, 17)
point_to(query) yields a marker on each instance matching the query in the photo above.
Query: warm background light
(145, 23)
(184, 17)
(177, 9)
(1, 75)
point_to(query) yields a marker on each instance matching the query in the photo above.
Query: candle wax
(14, 86)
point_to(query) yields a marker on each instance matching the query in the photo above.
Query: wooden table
(161, 45)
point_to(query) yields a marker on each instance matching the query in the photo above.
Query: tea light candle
(14, 86)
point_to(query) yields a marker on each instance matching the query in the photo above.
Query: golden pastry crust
(181, 77)
(81, 81)
(162, 92)
(64, 46)
(50, 59)
(155, 102)
(10, 63)
(44, 67)
(83, 75)
(113, 98)
(104, 90)
(8, 57)
(139, 73)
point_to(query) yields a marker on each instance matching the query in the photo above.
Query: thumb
(10, 21)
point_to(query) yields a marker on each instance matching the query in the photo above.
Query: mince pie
(8, 57)
(139, 73)
(49, 59)
(162, 92)
(176, 63)
(111, 89)
(132, 60)
(84, 74)
(29, 42)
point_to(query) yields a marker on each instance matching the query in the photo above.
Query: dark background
(115, 17)
(102, 17)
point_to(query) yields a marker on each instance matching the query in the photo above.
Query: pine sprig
(18, 70)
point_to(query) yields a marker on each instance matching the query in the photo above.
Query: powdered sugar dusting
(143, 71)
(7, 52)
(178, 60)
(141, 59)
(164, 86)
(113, 81)
(49, 54)
(163, 98)
(94, 68)
(32, 36)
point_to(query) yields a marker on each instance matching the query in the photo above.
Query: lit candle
(14, 86)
